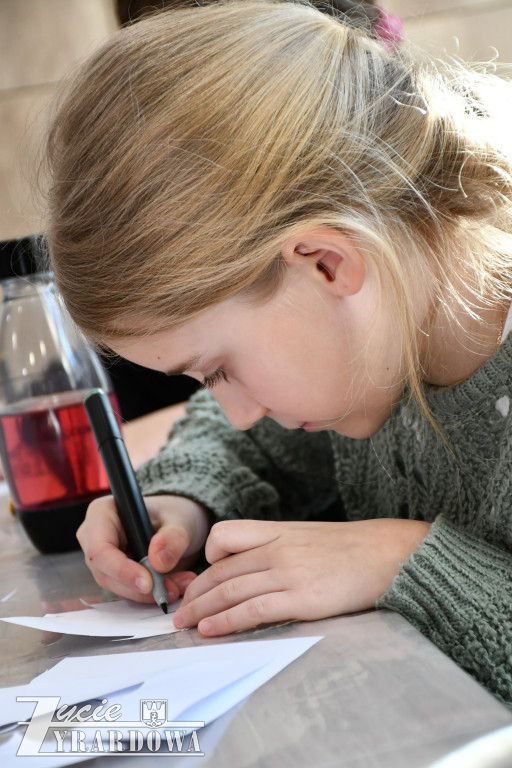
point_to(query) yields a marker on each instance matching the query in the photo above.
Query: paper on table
(215, 706)
(120, 618)
(209, 671)
(231, 690)
(77, 679)
(199, 683)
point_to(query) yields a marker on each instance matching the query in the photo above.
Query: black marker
(123, 484)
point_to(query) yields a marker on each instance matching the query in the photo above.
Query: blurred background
(41, 39)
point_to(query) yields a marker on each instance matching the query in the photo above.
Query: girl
(317, 228)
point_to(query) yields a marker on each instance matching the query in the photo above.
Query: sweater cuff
(457, 590)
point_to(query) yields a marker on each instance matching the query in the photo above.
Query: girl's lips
(308, 426)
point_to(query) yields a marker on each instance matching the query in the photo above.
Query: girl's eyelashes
(214, 378)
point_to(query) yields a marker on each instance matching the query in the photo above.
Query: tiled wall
(40, 39)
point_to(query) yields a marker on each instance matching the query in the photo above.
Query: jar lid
(21, 256)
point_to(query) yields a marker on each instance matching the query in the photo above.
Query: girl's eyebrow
(185, 366)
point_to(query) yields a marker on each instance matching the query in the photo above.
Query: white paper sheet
(198, 684)
(210, 707)
(493, 749)
(180, 671)
(120, 618)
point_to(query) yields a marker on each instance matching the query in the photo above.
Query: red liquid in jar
(51, 464)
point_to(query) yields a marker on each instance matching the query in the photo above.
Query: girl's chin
(356, 429)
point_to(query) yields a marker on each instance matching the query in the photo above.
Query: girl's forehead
(189, 337)
(139, 332)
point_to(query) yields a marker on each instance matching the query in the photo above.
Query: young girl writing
(318, 228)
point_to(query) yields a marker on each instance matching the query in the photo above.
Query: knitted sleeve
(265, 472)
(457, 587)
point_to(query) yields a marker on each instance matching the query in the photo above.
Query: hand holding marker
(123, 484)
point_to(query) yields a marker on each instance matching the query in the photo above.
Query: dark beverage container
(52, 466)
(47, 448)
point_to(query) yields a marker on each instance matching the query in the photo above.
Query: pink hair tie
(389, 29)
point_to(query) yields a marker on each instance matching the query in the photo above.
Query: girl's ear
(328, 257)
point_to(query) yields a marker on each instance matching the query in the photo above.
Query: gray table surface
(373, 693)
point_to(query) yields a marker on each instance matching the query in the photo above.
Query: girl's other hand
(265, 572)
(181, 527)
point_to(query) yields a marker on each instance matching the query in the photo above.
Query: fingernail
(142, 584)
(205, 626)
(166, 559)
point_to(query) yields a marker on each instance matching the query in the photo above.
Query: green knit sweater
(457, 587)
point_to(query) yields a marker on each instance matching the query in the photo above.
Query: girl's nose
(240, 408)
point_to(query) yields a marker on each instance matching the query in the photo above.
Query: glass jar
(49, 456)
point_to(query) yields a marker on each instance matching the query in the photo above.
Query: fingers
(129, 588)
(225, 595)
(223, 572)
(167, 547)
(102, 539)
(240, 575)
(180, 580)
(182, 527)
(113, 570)
(230, 536)
(261, 609)
(132, 581)
(175, 585)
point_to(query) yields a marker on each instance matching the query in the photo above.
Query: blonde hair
(194, 143)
